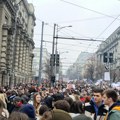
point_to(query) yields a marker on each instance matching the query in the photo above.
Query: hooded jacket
(114, 112)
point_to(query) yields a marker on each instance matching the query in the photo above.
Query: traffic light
(53, 60)
(57, 60)
(105, 57)
(110, 57)
(52, 79)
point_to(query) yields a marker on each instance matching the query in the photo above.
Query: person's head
(18, 116)
(36, 99)
(69, 100)
(29, 110)
(56, 114)
(63, 105)
(17, 101)
(43, 109)
(77, 107)
(110, 96)
(97, 94)
(21, 91)
(24, 99)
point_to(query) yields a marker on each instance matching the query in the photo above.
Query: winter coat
(97, 112)
(114, 112)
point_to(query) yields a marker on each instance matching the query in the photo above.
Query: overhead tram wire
(72, 36)
(79, 45)
(84, 20)
(88, 9)
(78, 33)
(105, 29)
(66, 29)
(79, 39)
(69, 49)
(108, 26)
(94, 12)
(61, 31)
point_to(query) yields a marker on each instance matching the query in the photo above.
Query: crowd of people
(83, 102)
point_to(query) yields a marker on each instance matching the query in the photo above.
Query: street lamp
(63, 52)
(59, 28)
(56, 51)
(53, 46)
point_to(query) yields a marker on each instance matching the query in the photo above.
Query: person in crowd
(18, 116)
(17, 101)
(56, 114)
(62, 104)
(96, 107)
(42, 110)
(25, 99)
(72, 95)
(3, 111)
(37, 102)
(110, 98)
(11, 94)
(82, 117)
(69, 100)
(29, 110)
(21, 91)
(76, 109)
(3, 97)
(48, 100)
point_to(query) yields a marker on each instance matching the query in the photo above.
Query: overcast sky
(91, 19)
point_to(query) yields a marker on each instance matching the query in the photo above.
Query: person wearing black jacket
(96, 107)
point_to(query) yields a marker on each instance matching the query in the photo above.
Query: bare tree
(47, 70)
(90, 69)
(100, 69)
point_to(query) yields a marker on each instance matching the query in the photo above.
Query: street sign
(107, 76)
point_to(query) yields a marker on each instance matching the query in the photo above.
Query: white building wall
(45, 62)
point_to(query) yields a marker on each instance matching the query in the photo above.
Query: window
(6, 20)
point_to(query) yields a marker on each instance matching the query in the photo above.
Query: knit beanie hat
(82, 117)
(60, 115)
(29, 110)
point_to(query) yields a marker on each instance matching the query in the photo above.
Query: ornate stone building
(17, 21)
(111, 45)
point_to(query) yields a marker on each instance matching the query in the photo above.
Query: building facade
(111, 45)
(78, 69)
(81, 62)
(16, 41)
(45, 72)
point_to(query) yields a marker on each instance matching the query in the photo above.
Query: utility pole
(56, 52)
(41, 50)
(52, 60)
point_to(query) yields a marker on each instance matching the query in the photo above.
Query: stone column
(3, 61)
(24, 56)
(30, 63)
(21, 52)
(9, 55)
(17, 57)
(20, 55)
(27, 61)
